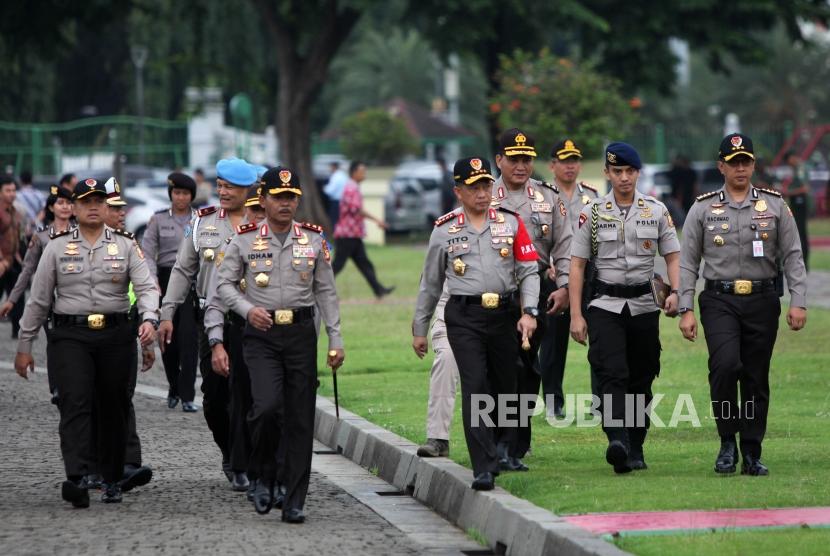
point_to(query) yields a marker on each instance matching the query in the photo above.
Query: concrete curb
(512, 526)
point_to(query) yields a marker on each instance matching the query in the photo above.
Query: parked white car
(414, 198)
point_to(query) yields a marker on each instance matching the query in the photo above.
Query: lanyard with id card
(757, 247)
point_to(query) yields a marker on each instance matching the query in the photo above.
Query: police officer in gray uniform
(745, 235)
(162, 238)
(545, 216)
(566, 163)
(622, 232)
(198, 258)
(84, 275)
(225, 330)
(485, 255)
(287, 269)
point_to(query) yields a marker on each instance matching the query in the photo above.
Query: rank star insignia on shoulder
(205, 211)
(59, 234)
(589, 186)
(706, 196)
(445, 218)
(769, 191)
(312, 227)
(550, 186)
(125, 233)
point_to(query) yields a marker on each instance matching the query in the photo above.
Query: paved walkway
(188, 507)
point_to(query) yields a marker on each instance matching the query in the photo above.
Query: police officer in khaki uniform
(286, 266)
(545, 216)
(484, 255)
(227, 358)
(197, 260)
(745, 235)
(622, 232)
(162, 238)
(566, 163)
(84, 275)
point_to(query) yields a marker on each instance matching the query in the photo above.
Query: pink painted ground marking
(699, 519)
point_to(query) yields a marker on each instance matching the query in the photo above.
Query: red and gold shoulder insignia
(446, 218)
(589, 186)
(312, 227)
(245, 228)
(205, 211)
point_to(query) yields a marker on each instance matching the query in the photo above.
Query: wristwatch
(532, 311)
(676, 292)
(213, 341)
(683, 310)
(154, 322)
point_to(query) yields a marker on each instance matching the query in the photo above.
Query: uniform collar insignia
(722, 196)
(492, 213)
(460, 220)
(297, 231)
(263, 230)
(107, 234)
(500, 193)
(754, 193)
(222, 213)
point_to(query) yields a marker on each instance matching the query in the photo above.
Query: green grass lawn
(386, 383)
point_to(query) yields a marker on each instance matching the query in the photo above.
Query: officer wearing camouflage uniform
(546, 218)
(627, 232)
(286, 266)
(744, 235)
(484, 255)
(83, 276)
(565, 165)
(197, 260)
(162, 239)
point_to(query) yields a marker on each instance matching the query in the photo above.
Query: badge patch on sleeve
(582, 218)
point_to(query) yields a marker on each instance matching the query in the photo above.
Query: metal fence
(51, 149)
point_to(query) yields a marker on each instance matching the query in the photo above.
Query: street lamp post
(138, 54)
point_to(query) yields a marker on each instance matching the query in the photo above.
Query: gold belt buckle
(96, 321)
(490, 300)
(743, 287)
(285, 316)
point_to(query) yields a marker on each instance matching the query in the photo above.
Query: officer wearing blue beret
(199, 255)
(620, 234)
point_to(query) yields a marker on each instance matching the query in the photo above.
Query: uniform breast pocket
(114, 267)
(767, 229)
(71, 268)
(503, 246)
(208, 242)
(646, 241)
(458, 249)
(607, 244)
(167, 232)
(542, 223)
(303, 264)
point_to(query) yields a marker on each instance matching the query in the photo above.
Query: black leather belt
(292, 316)
(622, 290)
(95, 321)
(487, 300)
(741, 287)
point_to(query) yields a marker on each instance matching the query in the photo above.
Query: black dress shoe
(92, 481)
(172, 401)
(293, 515)
(484, 481)
(264, 497)
(226, 469)
(55, 399)
(112, 493)
(240, 482)
(135, 476)
(617, 455)
(517, 465)
(383, 292)
(75, 493)
(636, 460)
(279, 496)
(727, 457)
(753, 466)
(189, 407)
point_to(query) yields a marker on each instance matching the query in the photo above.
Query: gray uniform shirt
(163, 237)
(292, 275)
(627, 246)
(39, 240)
(83, 279)
(197, 258)
(583, 195)
(723, 231)
(497, 259)
(546, 218)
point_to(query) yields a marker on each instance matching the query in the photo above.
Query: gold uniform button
(261, 280)
(718, 241)
(208, 254)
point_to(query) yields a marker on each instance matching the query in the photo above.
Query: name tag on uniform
(541, 207)
(757, 248)
(501, 229)
(302, 251)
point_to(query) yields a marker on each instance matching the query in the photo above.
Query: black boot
(727, 457)
(76, 493)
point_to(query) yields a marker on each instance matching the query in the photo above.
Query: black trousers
(215, 397)
(92, 372)
(740, 334)
(484, 345)
(353, 248)
(7, 282)
(240, 392)
(624, 353)
(553, 354)
(800, 209)
(181, 355)
(282, 364)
